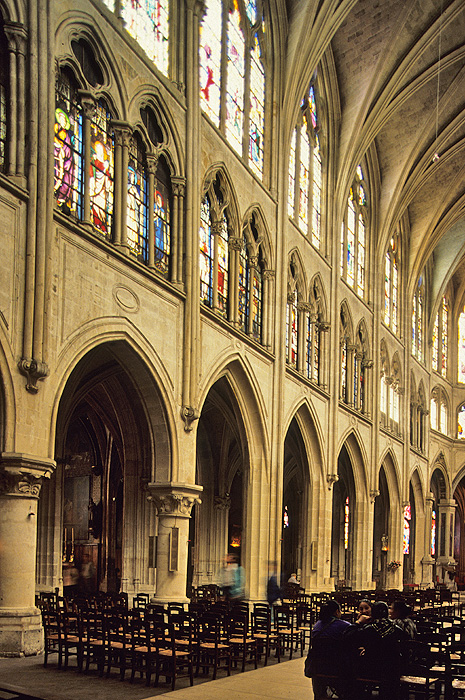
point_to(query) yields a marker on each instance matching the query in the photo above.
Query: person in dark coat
(326, 650)
(374, 647)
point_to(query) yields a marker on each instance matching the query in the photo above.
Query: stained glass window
(4, 82)
(223, 263)
(444, 340)
(417, 321)
(461, 349)
(350, 243)
(304, 177)
(291, 193)
(391, 283)
(443, 417)
(229, 51)
(344, 370)
(257, 109)
(346, 523)
(316, 195)
(210, 60)
(147, 21)
(286, 517)
(305, 168)
(68, 149)
(384, 394)
(406, 534)
(137, 204)
(461, 423)
(257, 304)
(309, 359)
(235, 80)
(162, 218)
(206, 253)
(433, 533)
(292, 330)
(244, 288)
(353, 237)
(101, 170)
(435, 348)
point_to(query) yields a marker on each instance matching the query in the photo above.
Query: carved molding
(33, 371)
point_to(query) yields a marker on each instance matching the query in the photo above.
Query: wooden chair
(266, 638)
(211, 650)
(116, 643)
(142, 649)
(170, 661)
(243, 646)
(91, 638)
(285, 628)
(52, 636)
(71, 644)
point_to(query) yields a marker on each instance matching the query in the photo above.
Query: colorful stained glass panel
(147, 21)
(101, 170)
(257, 110)
(235, 81)
(210, 60)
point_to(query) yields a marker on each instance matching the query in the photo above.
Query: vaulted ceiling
(399, 67)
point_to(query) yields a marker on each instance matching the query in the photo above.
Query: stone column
(123, 135)
(152, 162)
(17, 42)
(235, 246)
(303, 308)
(267, 305)
(222, 506)
(178, 186)
(88, 111)
(427, 560)
(445, 528)
(20, 621)
(174, 505)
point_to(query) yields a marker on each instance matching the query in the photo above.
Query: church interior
(232, 300)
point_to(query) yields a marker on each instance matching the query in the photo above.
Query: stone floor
(27, 679)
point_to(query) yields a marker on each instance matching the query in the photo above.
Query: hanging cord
(436, 155)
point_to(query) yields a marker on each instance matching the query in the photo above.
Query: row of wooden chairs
(168, 642)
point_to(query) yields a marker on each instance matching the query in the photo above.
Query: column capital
(122, 131)
(178, 185)
(268, 274)
(235, 243)
(331, 479)
(17, 37)
(88, 103)
(174, 499)
(21, 474)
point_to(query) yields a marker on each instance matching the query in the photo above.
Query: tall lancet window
(232, 75)
(439, 351)
(4, 85)
(68, 148)
(214, 250)
(418, 320)
(305, 171)
(137, 211)
(101, 170)
(147, 21)
(353, 236)
(391, 285)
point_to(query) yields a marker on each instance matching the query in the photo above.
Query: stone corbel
(331, 479)
(174, 499)
(33, 371)
(373, 494)
(223, 502)
(189, 414)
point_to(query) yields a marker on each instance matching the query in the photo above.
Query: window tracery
(214, 249)
(232, 75)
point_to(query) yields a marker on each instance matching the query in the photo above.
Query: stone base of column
(21, 632)
(163, 600)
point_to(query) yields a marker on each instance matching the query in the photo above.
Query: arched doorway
(293, 517)
(409, 538)
(459, 534)
(106, 449)
(342, 532)
(222, 466)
